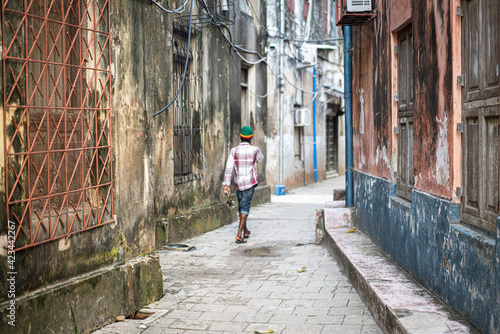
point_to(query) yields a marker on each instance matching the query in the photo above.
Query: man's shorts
(244, 200)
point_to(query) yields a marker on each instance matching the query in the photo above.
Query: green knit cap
(246, 132)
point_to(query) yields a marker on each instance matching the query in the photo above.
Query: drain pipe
(349, 183)
(314, 126)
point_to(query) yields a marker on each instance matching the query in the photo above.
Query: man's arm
(260, 157)
(228, 173)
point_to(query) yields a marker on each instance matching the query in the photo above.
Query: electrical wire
(218, 24)
(170, 10)
(185, 65)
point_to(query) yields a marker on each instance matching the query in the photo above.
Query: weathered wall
(433, 101)
(372, 98)
(425, 237)
(144, 191)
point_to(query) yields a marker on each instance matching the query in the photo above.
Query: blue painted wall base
(425, 236)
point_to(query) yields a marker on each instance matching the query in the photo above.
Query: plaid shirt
(243, 159)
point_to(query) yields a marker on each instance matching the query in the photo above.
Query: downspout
(281, 87)
(349, 183)
(314, 126)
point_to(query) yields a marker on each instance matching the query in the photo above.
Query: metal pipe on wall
(314, 126)
(281, 86)
(349, 183)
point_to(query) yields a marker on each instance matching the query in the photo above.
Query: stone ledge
(398, 303)
(94, 299)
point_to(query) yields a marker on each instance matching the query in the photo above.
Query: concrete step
(335, 204)
(398, 302)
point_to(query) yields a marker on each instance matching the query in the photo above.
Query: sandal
(239, 240)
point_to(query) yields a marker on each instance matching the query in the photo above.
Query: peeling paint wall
(425, 235)
(142, 145)
(373, 96)
(433, 96)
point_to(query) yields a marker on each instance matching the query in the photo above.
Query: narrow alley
(279, 280)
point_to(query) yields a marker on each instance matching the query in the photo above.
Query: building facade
(305, 140)
(117, 121)
(426, 91)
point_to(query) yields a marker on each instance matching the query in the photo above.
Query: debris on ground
(120, 318)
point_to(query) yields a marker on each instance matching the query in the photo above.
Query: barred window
(188, 107)
(56, 106)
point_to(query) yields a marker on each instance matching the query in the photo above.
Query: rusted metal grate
(188, 107)
(56, 113)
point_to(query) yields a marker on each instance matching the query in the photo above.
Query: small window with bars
(188, 107)
(56, 105)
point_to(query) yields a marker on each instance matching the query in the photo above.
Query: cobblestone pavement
(279, 280)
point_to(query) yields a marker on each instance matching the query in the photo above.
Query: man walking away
(243, 159)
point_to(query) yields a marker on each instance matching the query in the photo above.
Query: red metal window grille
(56, 114)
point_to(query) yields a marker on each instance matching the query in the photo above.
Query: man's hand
(227, 190)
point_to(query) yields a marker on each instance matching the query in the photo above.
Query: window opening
(56, 93)
(188, 107)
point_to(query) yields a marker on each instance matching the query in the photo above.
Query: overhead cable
(170, 10)
(185, 65)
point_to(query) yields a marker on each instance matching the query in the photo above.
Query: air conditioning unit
(354, 12)
(301, 117)
(356, 6)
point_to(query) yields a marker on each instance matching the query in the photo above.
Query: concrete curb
(398, 302)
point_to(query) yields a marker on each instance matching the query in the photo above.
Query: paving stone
(225, 326)
(218, 316)
(223, 287)
(303, 329)
(326, 319)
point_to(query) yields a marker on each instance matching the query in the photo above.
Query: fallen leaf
(262, 332)
(351, 230)
(302, 270)
(120, 318)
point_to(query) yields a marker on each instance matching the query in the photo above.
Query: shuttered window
(481, 113)
(187, 106)
(405, 113)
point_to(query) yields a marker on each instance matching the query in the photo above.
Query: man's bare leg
(242, 227)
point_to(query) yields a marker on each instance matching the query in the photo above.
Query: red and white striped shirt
(243, 159)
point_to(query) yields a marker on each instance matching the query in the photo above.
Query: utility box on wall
(354, 12)
(301, 117)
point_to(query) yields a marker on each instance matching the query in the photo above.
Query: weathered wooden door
(405, 113)
(481, 113)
